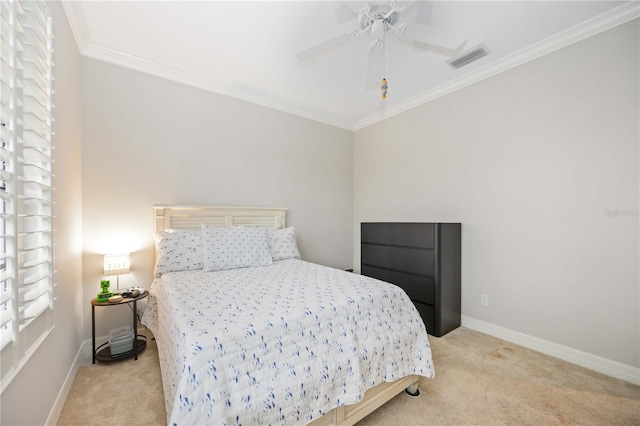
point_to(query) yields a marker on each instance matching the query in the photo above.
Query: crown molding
(78, 23)
(603, 22)
(106, 54)
(88, 48)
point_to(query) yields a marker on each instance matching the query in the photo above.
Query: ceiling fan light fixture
(378, 27)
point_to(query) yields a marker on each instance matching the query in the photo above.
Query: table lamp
(117, 264)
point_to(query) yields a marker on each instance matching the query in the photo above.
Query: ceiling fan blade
(326, 46)
(375, 65)
(345, 13)
(429, 34)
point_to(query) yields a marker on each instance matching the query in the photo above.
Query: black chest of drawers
(424, 260)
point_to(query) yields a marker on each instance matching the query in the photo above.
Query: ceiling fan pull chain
(383, 85)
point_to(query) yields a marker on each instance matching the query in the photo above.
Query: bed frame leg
(413, 391)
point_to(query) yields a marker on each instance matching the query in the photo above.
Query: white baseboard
(83, 357)
(58, 405)
(593, 362)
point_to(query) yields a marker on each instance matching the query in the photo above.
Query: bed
(281, 341)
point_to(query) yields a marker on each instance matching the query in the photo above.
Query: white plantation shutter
(8, 124)
(26, 246)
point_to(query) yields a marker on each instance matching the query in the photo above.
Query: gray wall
(31, 395)
(531, 162)
(147, 140)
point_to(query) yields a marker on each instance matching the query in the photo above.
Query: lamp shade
(117, 264)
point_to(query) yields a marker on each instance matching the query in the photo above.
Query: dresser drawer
(410, 260)
(418, 288)
(418, 235)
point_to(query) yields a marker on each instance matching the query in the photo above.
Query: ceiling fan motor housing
(376, 12)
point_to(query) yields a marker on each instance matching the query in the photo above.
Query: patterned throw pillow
(282, 244)
(181, 251)
(235, 247)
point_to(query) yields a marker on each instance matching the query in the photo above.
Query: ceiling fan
(376, 18)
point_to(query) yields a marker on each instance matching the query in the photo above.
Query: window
(26, 248)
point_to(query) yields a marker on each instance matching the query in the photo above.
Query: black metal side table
(103, 352)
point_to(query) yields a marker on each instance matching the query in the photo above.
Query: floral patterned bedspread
(279, 344)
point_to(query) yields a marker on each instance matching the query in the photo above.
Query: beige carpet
(127, 392)
(480, 380)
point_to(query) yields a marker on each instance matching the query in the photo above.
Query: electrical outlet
(484, 300)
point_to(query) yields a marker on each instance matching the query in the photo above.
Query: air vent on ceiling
(468, 56)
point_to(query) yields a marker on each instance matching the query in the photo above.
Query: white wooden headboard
(191, 217)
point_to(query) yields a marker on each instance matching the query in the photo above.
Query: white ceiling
(248, 49)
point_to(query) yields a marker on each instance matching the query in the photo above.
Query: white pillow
(235, 247)
(178, 251)
(282, 244)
